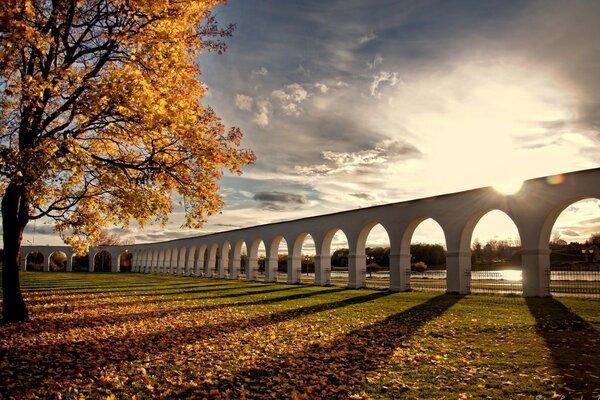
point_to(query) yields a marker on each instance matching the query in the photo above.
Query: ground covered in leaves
(148, 336)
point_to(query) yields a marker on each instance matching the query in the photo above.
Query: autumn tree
(101, 120)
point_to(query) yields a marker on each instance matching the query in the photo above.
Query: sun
(508, 186)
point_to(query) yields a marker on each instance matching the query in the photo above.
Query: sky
(355, 103)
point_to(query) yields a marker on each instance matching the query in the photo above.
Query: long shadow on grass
(31, 368)
(335, 369)
(86, 321)
(573, 344)
(136, 290)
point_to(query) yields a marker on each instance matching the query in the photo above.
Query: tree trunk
(15, 215)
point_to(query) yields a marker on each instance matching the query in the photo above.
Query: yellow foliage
(100, 113)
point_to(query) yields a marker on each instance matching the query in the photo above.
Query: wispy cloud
(263, 112)
(276, 201)
(262, 71)
(344, 162)
(290, 98)
(367, 38)
(244, 102)
(383, 77)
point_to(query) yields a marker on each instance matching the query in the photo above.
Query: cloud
(275, 201)
(391, 78)
(321, 87)
(290, 98)
(280, 197)
(363, 196)
(243, 102)
(377, 61)
(367, 38)
(302, 70)
(262, 71)
(263, 112)
(361, 161)
(569, 232)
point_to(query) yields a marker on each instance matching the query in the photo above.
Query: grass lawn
(149, 336)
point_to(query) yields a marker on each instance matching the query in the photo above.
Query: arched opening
(34, 261)
(575, 250)
(335, 248)
(255, 269)
(496, 255)
(427, 254)
(190, 268)
(81, 263)
(102, 261)
(201, 260)
(160, 262)
(377, 257)
(238, 261)
(166, 267)
(224, 260)
(174, 264)
(213, 261)
(57, 262)
(155, 257)
(302, 265)
(205, 261)
(125, 261)
(181, 262)
(277, 260)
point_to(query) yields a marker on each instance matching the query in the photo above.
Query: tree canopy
(100, 116)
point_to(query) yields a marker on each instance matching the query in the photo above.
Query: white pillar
(208, 273)
(536, 272)
(115, 265)
(271, 269)
(357, 271)
(322, 270)
(251, 269)
(70, 262)
(400, 272)
(91, 257)
(223, 264)
(458, 272)
(294, 269)
(234, 272)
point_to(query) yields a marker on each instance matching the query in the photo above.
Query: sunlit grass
(149, 336)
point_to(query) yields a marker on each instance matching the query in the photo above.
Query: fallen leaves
(165, 337)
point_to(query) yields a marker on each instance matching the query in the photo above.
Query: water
(509, 275)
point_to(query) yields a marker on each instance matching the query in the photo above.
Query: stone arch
(181, 261)
(201, 259)
(252, 265)
(275, 262)
(57, 261)
(338, 271)
(166, 268)
(236, 259)
(485, 279)
(125, 261)
(211, 263)
(103, 261)
(34, 261)
(402, 275)
(377, 251)
(160, 261)
(192, 259)
(357, 259)
(575, 264)
(173, 261)
(155, 260)
(295, 261)
(550, 220)
(224, 256)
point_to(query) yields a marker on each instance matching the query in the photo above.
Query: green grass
(152, 336)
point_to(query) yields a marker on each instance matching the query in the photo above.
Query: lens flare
(508, 186)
